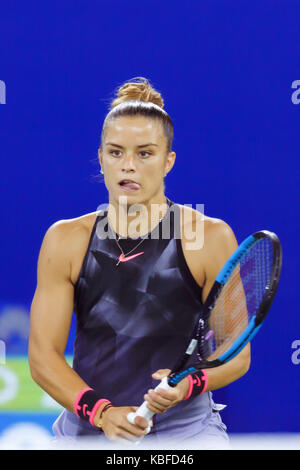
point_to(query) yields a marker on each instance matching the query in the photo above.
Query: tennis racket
(233, 312)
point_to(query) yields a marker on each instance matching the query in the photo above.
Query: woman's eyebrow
(138, 146)
(146, 145)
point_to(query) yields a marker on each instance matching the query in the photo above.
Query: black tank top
(135, 317)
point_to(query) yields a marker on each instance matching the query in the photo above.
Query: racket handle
(143, 410)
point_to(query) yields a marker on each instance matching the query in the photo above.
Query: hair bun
(138, 88)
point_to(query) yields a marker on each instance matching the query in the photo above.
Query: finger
(167, 394)
(138, 420)
(157, 409)
(139, 428)
(158, 402)
(159, 374)
(132, 434)
(161, 396)
(142, 422)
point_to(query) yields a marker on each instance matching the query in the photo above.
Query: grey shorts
(183, 431)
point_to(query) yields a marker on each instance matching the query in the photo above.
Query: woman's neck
(138, 219)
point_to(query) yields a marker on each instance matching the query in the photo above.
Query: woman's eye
(113, 152)
(117, 153)
(145, 154)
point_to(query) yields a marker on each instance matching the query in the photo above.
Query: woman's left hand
(161, 400)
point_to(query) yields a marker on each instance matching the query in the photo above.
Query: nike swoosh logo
(197, 381)
(84, 408)
(123, 258)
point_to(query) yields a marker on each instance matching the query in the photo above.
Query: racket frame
(254, 324)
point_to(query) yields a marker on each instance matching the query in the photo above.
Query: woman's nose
(128, 163)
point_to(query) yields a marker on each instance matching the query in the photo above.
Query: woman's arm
(50, 320)
(205, 263)
(51, 314)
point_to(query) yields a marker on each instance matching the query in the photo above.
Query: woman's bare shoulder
(66, 241)
(196, 220)
(75, 228)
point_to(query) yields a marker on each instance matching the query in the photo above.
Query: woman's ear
(100, 156)
(170, 162)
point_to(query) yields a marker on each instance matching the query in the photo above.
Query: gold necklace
(123, 257)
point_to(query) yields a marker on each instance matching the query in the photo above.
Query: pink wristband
(79, 396)
(191, 384)
(205, 378)
(198, 383)
(95, 409)
(87, 404)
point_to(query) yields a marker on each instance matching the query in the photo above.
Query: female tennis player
(137, 289)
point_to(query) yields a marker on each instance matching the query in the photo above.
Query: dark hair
(137, 97)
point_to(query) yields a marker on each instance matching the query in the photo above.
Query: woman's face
(134, 159)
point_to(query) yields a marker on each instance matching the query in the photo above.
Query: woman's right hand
(116, 426)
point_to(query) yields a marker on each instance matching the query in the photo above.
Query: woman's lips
(129, 185)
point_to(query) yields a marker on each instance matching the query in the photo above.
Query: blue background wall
(225, 69)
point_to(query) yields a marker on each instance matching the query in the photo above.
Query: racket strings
(239, 299)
